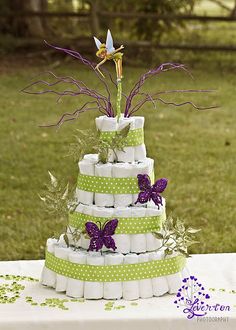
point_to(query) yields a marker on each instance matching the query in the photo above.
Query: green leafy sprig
(58, 201)
(176, 237)
(89, 140)
(75, 235)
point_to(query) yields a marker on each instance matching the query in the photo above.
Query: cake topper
(108, 52)
(101, 100)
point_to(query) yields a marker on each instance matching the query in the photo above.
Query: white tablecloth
(217, 271)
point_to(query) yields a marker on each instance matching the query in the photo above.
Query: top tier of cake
(135, 149)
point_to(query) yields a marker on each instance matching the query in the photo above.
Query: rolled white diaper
(86, 167)
(162, 208)
(122, 170)
(104, 170)
(98, 122)
(93, 158)
(174, 280)
(159, 284)
(150, 162)
(75, 288)
(94, 290)
(113, 290)
(145, 286)
(107, 124)
(152, 242)
(131, 288)
(79, 208)
(127, 154)
(88, 210)
(140, 150)
(61, 281)
(103, 212)
(122, 240)
(48, 276)
(138, 241)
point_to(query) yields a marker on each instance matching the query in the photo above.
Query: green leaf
(158, 235)
(53, 179)
(66, 192)
(185, 253)
(168, 252)
(191, 230)
(103, 155)
(191, 243)
(124, 131)
(66, 240)
(42, 198)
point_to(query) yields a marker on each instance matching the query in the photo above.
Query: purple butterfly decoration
(100, 236)
(148, 191)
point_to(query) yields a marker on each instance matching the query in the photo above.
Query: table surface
(217, 272)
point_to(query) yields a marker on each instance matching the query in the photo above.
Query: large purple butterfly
(100, 236)
(148, 191)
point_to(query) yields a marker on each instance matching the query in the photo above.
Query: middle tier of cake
(134, 232)
(110, 184)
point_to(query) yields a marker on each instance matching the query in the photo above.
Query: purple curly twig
(152, 98)
(88, 63)
(135, 90)
(72, 116)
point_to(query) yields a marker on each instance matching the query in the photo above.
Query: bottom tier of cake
(108, 275)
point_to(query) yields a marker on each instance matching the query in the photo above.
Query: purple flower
(150, 192)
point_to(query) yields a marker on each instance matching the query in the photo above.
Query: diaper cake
(119, 242)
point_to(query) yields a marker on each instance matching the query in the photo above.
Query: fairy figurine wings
(108, 52)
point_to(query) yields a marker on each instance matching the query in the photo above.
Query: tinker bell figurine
(108, 52)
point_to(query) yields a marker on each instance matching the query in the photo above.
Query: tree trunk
(233, 13)
(34, 23)
(94, 17)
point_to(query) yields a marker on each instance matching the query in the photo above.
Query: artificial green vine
(59, 201)
(90, 140)
(176, 237)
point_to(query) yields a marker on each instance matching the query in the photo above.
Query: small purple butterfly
(101, 236)
(148, 191)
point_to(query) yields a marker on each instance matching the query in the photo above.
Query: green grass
(195, 150)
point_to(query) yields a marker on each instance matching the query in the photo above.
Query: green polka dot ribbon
(115, 273)
(135, 137)
(109, 185)
(125, 225)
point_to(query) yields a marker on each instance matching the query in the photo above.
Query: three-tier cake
(119, 208)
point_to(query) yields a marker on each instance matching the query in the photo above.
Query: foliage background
(195, 150)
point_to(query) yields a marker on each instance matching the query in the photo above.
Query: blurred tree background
(146, 25)
(195, 150)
